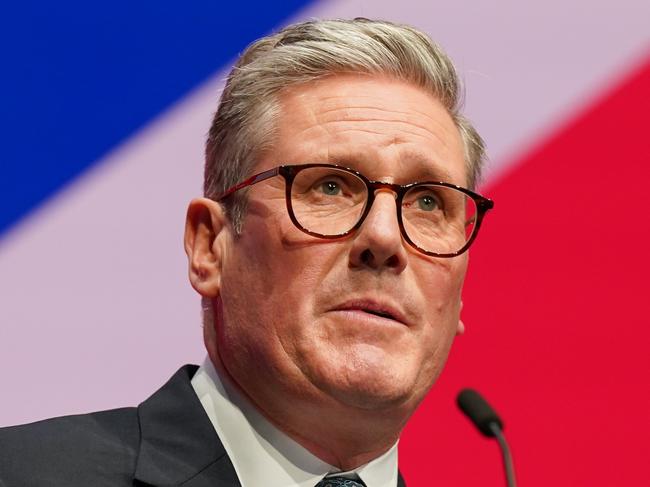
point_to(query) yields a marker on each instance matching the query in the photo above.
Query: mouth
(381, 310)
(382, 314)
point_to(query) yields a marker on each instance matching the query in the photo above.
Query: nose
(378, 243)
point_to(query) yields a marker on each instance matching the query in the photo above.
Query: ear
(206, 232)
(460, 329)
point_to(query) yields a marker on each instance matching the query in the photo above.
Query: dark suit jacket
(166, 441)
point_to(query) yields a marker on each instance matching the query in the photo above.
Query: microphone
(472, 404)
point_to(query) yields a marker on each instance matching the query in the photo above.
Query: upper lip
(373, 306)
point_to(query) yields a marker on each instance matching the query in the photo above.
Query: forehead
(386, 128)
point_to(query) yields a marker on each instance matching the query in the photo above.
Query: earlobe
(205, 232)
(460, 328)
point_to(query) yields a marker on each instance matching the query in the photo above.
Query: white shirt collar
(261, 453)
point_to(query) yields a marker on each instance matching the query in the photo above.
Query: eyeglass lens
(331, 201)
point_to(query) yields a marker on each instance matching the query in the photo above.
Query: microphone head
(478, 411)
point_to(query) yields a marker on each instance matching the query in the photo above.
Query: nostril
(367, 257)
(392, 261)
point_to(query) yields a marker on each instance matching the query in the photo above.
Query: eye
(331, 188)
(428, 202)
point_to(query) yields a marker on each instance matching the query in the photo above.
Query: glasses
(328, 201)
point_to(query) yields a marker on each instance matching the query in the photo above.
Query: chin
(371, 384)
(374, 399)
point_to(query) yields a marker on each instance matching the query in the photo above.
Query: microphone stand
(505, 453)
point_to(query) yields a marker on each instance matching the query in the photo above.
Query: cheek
(441, 291)
(441, 284)
(271, 280)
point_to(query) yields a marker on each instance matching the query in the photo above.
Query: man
(329, 250)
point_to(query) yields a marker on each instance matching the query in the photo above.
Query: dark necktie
(340, 482)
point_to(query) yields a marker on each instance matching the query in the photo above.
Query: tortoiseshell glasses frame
(289, 173)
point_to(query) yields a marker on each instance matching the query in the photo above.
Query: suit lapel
(178, 444)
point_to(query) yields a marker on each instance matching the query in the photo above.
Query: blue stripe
(79, 77)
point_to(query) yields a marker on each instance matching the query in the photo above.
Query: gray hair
(244, 124)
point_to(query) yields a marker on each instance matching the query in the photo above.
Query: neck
(343, 436)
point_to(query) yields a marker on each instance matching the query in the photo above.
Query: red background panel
(556, 308)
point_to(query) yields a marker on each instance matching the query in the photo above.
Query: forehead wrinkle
(436, 128)
(350, 113)
(347, 107)
(347, 110)
(373, 102)
(406, 129)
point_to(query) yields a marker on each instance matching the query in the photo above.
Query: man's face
(301, 314)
